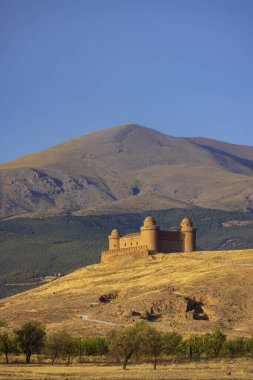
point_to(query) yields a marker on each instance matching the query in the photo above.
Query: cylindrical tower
(189, 235)
(114, 240)
(150, 234)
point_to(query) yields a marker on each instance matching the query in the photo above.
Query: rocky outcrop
(32, 190)
(128, 167)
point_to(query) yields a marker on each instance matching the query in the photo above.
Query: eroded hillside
(127, 167)
(193, 292)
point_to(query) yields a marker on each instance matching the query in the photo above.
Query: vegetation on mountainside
(31, 249)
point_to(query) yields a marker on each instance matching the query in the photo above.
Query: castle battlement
(137, 251)
(151, 239)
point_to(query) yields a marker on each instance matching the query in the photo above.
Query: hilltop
(189, 292)
(127, 167)
(32, 248)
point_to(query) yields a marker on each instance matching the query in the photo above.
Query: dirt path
(85, 318)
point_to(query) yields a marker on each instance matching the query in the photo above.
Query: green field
(33, 248)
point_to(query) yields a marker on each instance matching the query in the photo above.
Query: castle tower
(189, 235)
(150, 234)
(114, 240)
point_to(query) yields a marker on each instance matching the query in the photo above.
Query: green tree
(194, 346)
(92, 346)
(100, 346)
(80, 342)
(213, 343)
(55, 345)
(8, 345)
(152, 343)
(249, 345)
(235, 347)
(31, 338)
(171, 343)
(128, 342)
(69, 345)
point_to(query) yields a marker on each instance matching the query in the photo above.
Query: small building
(151, 240)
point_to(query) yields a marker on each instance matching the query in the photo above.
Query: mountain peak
(128, 167)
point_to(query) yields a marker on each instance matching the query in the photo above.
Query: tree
(69, 345)
(214, 342)
(171, 343)
(95, 346)
(61, 344)
(80, 347)
(249, 345)
(128, 342)
(31, 338)
(8, 344)
(235, 347)
(54, 345)
(152, 343)
(194, 346)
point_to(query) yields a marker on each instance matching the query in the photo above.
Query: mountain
(188, 292)
(129, 167)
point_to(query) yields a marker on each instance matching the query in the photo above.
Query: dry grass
(239, 369)
(221, 281)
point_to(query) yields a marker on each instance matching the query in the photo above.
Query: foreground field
(238, 369)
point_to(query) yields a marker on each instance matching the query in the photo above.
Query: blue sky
(68, 67)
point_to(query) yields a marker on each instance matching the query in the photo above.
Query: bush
(235, 347)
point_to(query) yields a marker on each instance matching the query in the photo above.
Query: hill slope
(32, 248)
(127, 167)
(187, 292)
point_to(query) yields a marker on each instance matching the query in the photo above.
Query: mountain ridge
(127, 167)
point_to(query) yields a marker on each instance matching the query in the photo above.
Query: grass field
(177, 290)
(241, 369)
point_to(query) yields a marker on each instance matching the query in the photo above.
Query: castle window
(137, 243)
(131, 243)
(114, 245)
(125, 244)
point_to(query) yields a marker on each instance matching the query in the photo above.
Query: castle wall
(134, 252)
(131, 240)
(171, 241)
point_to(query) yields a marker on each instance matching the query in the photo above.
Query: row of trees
(139, 340)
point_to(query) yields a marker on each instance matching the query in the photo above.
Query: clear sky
(68, 67)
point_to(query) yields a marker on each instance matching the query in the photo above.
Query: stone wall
(171, 241)
(140, 251)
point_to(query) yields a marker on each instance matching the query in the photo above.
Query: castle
(151, 239)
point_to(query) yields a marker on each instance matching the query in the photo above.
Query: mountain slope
(188, 292)
(127, 167)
